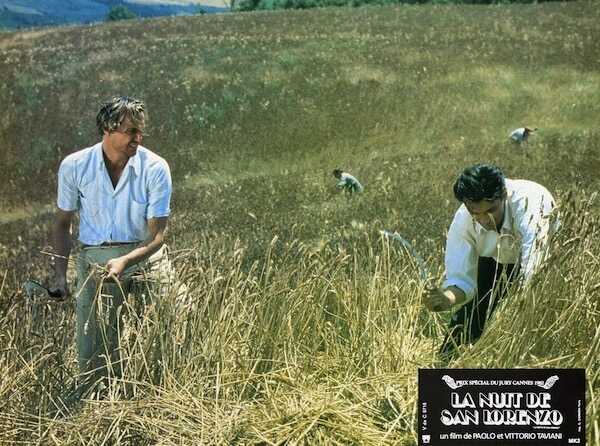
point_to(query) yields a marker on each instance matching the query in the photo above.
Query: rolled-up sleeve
(461, 255)
(160, 189)
(534, 222)
(67, 194)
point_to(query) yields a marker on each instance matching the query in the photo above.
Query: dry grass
(307, 347)
(304, 327)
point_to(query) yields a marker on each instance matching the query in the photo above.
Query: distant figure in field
(498, 236)
(347, 182)
(521, 134)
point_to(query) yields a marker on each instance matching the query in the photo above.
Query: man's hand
(156, 227)
(32, 287)
(115, 267)
(59, 289)
(436, 300)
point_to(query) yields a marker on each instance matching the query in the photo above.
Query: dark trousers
(467, 324)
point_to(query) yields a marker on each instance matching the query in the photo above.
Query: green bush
(119, 12)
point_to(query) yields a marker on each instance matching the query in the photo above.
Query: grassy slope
(253, 111)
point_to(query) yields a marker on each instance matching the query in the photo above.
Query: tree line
(121, 12)
(250, 5)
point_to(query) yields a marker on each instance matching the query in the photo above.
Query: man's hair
(479, 182)
(113, 112)
(337, 173)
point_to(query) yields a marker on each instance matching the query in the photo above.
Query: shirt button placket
(112, 217)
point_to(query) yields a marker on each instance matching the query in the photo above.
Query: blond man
(121, 191)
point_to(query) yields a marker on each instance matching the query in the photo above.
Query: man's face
(126, 138)
(488, 213)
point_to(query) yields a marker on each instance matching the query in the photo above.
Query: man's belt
(109, 244)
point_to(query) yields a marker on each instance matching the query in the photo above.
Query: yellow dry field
(299, 324)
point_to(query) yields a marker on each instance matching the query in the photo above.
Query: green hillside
(309, 328)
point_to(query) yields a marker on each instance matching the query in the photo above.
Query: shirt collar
(135, 161)
(99, 159)
(507, 220)
(508, 223)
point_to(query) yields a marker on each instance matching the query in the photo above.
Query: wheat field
(300, 323)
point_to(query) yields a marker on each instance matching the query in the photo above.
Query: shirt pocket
(509, 248)
(137, 216)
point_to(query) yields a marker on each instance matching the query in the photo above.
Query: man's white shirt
(522, 237)
(114, 214)
(349, 181)
(518, 134)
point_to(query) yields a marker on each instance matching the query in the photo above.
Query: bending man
(347, 182)
(499, 232)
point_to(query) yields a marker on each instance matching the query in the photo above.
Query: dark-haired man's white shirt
(349, 183)
(521, 240)
(114, 214)
(518, 134)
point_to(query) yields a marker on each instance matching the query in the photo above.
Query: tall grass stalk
(311, 346)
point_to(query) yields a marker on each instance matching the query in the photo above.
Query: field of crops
(304, 326)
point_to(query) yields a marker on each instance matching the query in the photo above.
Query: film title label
(471, 407)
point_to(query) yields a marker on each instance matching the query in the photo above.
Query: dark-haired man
(122, 193)
(347, 182)
(521, 134)
(499, 232)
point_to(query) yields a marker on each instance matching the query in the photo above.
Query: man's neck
(113, 161)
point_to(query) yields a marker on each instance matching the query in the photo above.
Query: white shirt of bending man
(349, 182)
(522, 238)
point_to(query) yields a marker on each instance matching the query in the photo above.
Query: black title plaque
(508, 407)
